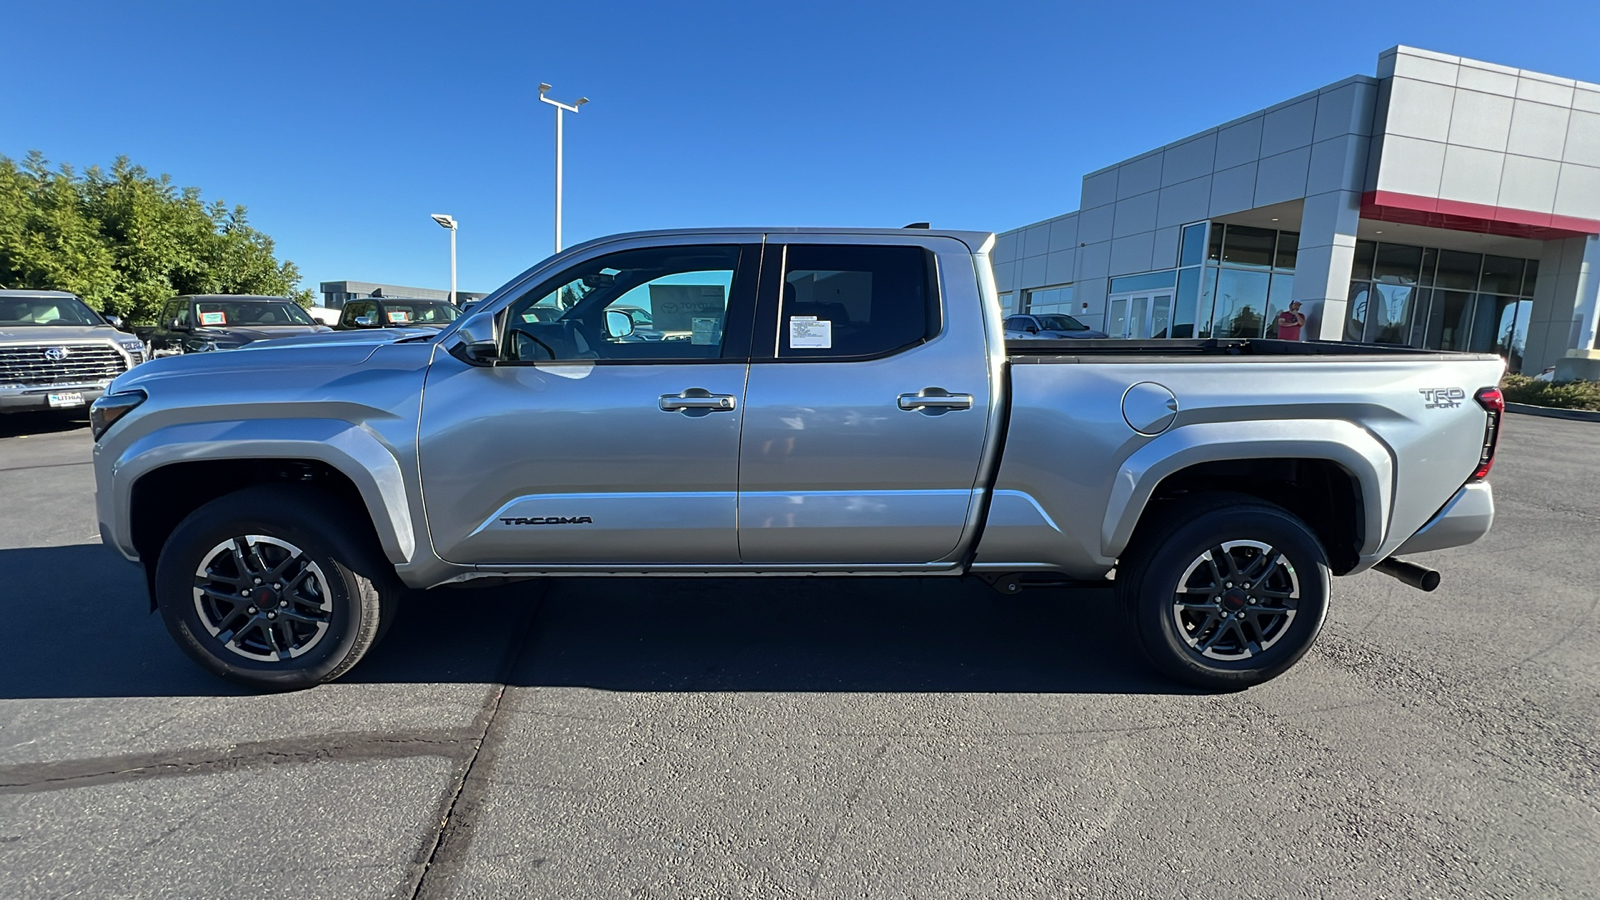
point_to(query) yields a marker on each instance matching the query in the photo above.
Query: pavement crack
(459, 805)
(850, 798)
(31, 778)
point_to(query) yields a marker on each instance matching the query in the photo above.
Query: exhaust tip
(1420, 577)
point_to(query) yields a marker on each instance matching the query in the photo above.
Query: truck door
(608, 432)
(868, 407)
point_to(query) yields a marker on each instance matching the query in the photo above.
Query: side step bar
(1420, 577)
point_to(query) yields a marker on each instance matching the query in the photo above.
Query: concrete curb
(1581, 415)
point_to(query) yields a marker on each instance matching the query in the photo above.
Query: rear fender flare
(1349, 446)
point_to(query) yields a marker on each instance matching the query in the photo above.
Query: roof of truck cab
(974, 240)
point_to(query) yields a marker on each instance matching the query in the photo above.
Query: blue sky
(342, 126)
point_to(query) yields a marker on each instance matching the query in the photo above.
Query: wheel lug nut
(283, 603)
(245, 592)
(272, 615)
(252, 610)
(258, 581)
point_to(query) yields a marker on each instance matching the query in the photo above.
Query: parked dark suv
(198, 323)
(396, 312)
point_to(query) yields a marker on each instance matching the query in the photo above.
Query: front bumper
(1463, 520)
(28, 399)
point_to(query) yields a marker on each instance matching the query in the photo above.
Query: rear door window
(850, 301)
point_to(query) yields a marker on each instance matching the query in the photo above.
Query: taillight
(1494, 404)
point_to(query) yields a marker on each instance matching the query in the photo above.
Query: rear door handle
(935, 400)
(697, 400)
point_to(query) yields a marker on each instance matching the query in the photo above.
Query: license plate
(66, 398)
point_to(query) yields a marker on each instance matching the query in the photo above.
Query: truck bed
(1035, 351)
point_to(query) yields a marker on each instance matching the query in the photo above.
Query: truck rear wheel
(1225, 591)
(274, 587)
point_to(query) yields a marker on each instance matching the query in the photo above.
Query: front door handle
(935, 401)
(697, 401)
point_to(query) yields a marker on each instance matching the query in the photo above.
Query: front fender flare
(1351, 447)
(349, 448)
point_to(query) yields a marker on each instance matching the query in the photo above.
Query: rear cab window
(843, 301)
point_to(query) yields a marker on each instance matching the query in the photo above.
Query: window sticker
(810, 333)
(214, 318)
(707, 331)
(399, 316)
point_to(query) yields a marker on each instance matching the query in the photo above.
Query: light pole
(560, 108)
(449, 222)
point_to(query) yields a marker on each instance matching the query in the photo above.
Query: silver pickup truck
(804, 402)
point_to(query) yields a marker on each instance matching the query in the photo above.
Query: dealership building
(1443, 203)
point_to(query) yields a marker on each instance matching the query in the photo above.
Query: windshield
(46, 311)
(419, 312)
(1061, 323)
(221, 314)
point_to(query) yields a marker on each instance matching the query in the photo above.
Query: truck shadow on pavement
(77, 625)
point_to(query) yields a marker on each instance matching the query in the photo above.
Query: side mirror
(476, 342)
(618, 324)
(1032, 329)
(115, 321)
(365, 321)
(177, 325)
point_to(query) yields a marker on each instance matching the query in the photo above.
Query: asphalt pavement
(809, 738)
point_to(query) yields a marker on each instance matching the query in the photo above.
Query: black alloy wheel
(1224, 591)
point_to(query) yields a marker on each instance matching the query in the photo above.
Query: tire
(1225, 591)
(335, 598)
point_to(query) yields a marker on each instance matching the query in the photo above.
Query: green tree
(127, 241)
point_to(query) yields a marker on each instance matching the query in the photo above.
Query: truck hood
(264, 360)
(368, 336)
(239, 335)
(36, 334)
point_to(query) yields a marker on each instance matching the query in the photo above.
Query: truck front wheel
(1225, 591)
(274, 587)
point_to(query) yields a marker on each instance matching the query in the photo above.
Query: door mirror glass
(177, 325)
(115, 322)
(365, 321)
(475, 342)
(1033, 329)
(618, 324)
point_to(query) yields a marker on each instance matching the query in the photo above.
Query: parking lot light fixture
(560, 108)
(449, 222)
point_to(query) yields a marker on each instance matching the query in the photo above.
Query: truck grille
(32, 364)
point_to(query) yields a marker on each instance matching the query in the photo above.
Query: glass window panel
(1006, 301)
(1420, 311)
(1241, 303)
(1056, 299)
(1530, 278)
(1397, 264)
(1138, 317)
(1278, 300)
(1458, 270)
(1288, 249)
(1194, 245)
(1447, 320)
(1430, 262)
(1117, 319)
(1183, 305)
(1207, 302)
(1161, 317)
(1501, 275)
(1493, 323)
(1390, 313)
(877, 299)
(1519, 336)
(1355, 323)
(1214, 245)
(1245, 246)
(1145, 282)
(1362, 270)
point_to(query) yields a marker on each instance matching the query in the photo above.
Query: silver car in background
(57, 353)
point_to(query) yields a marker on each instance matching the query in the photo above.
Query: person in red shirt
(1290, 322)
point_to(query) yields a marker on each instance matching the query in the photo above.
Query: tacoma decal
(547, 520)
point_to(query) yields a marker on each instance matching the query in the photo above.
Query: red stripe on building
(1410, 209)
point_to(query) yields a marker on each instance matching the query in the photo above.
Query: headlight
(134, 349)
(109, 408)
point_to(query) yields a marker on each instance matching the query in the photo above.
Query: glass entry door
(1141, 314)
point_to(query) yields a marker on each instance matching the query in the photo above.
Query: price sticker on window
(213, 318)
(810, 333)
